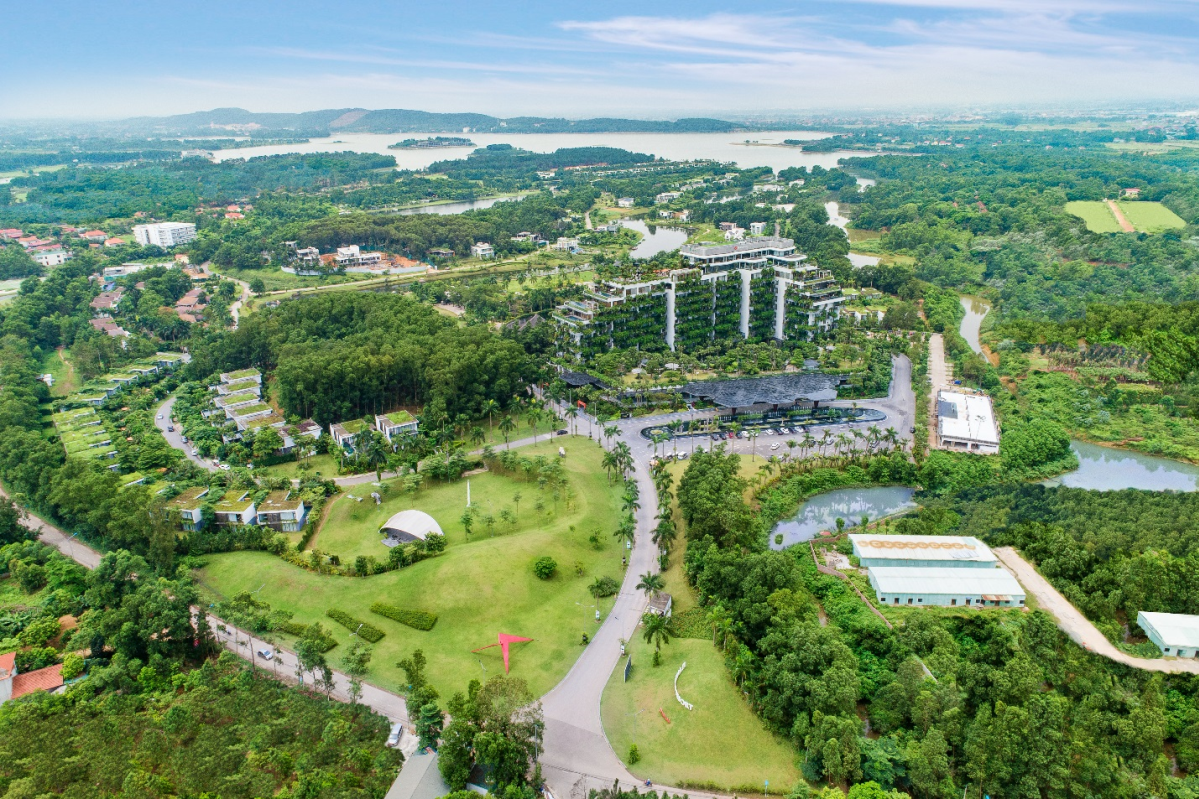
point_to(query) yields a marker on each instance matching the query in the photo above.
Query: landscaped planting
(416, 619)
(359, 628)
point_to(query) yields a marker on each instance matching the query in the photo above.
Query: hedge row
(366, 631)
(325, 641)
(417, 619)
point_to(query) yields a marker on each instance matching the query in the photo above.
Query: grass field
(1096, 214)
(477, 588)
(323, 465)
(721, 741)
(57, 363)
(1149, 217)
(1146, 217)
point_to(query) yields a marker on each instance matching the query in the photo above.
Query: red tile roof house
(14, 686)
(11, 233)
(95, 235)
(115, 242)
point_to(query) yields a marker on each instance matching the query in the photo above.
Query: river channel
(851, 504)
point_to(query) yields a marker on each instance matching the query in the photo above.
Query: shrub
(634, 755)
(364, 630)
(72, 666)
(326, 641)
(416, 619)
(603, 586)
(36, 658)
(544, 567)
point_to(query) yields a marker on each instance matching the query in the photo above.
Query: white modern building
(938, 551)
(50, 257)
(921, 585)
(966, 422)
(164, 234)
(354, 256)
(482, 250)
(1175, 634)
(626, 202)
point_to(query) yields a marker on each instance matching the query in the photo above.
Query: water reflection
(1107, 469)
(659, 239)
(851, 504)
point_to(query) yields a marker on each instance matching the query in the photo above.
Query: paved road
(940, 374)
(1075, 625)
(175, 437)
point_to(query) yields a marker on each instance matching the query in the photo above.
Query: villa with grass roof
(189, 506)
(234, 508)
(396, 423)
(241, 399)
(240, 385)
(283, 512)
(248, 412)
(258, 422)
(241, 374)
(345, 433)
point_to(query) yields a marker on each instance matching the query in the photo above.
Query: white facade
(967, 422)
(625, 202)
(946, 586)
(164, 234)
(1175, 634)
(482, 250)
(353, 256)
(50, 257)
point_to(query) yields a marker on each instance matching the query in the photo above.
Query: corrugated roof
(1175, 629)
(949, 548)
(993, 583)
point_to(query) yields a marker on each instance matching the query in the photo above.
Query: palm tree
(657, 630)
(807, 443)
(477, 436)
(651, 583)
(742, 665)
(610, 431)
(626, 532)
(753, 438)
(533, 417)
(719, 618)
(629, 504)
(490, 407)
(610, 462)
(507, 425)
(572, 413)
(791, 445)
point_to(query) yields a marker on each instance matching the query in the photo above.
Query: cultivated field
(1146, 217)
(477, 588)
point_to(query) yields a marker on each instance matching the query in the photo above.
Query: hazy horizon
(110, 60)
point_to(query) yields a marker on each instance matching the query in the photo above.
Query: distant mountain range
(237, 121)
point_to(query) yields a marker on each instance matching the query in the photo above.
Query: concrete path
(1077, 626)
(175, 437)
(940, 375)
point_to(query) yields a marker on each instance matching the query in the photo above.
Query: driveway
(175, 437)
(1076, 625)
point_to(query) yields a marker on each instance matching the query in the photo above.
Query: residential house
(234, 509)
(396, 423)
(257, 422)
(352, 256)
(52, 256)
(1132, 193)
(166, 360)
(734, 233)
(240, 385)
(345, 433)
(189, 505)
(482, 250)
(109, 327)
(283, 512)
(757, 228)
(441, 253)
(11, 233)
(97, 236)
(14, 685)
(564, 244)
(666, 213)
(108, 301)
(239, 399)
(667, 197)
(114, 242)
(228, 378)
(625, 202)
(683, 216)
(190, 307)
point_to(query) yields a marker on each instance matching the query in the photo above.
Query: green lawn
(276, 280)
(56, 363)
(477, 588)
(1149, 217)
(721, 741)
(547, 425)
(324, 465)
(1096, 214)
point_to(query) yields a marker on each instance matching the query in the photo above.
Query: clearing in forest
(1142, 217)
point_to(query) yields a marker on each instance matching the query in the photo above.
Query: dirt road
(1075, 625)
(1121, 219)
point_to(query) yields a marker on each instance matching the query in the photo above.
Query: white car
(225, 466)
(266, 654)
(775, 445)
(159, 416)
(397, 730)
(195, 451)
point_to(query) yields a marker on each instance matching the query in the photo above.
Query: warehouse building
(943, 551)
(1175, 634)
(919, 586)
(966, 423)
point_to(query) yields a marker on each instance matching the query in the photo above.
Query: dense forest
(1009, 706)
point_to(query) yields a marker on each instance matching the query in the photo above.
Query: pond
(851, 504)
(976, 310)
(1108, 469)
(658, 239)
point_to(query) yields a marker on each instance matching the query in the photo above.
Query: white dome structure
(407, 526)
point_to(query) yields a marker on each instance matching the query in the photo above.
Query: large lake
(1107, 469)
(851, 504)
(764, 149)
(446, 209)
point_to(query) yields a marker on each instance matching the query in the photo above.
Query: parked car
(563, 432)
(159, 416)
(397, 730)
(775, 445)
(266, 654)
(170, 428)
(683, 455)
(225, 467)
(195, 451)
(183, 439)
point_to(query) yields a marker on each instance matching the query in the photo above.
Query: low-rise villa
(189, 506)
(235, 508)
(281, 511)
(396, 423)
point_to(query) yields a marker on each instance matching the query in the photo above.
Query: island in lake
(432, 141)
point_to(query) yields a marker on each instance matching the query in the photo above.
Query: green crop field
(1096, 214)
(721, 741)
(1149, 217)
(477, 588)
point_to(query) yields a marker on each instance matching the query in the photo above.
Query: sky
(106, 59)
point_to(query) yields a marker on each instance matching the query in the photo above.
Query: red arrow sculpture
(503, 643)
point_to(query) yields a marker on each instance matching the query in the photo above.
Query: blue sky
(110, 59)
